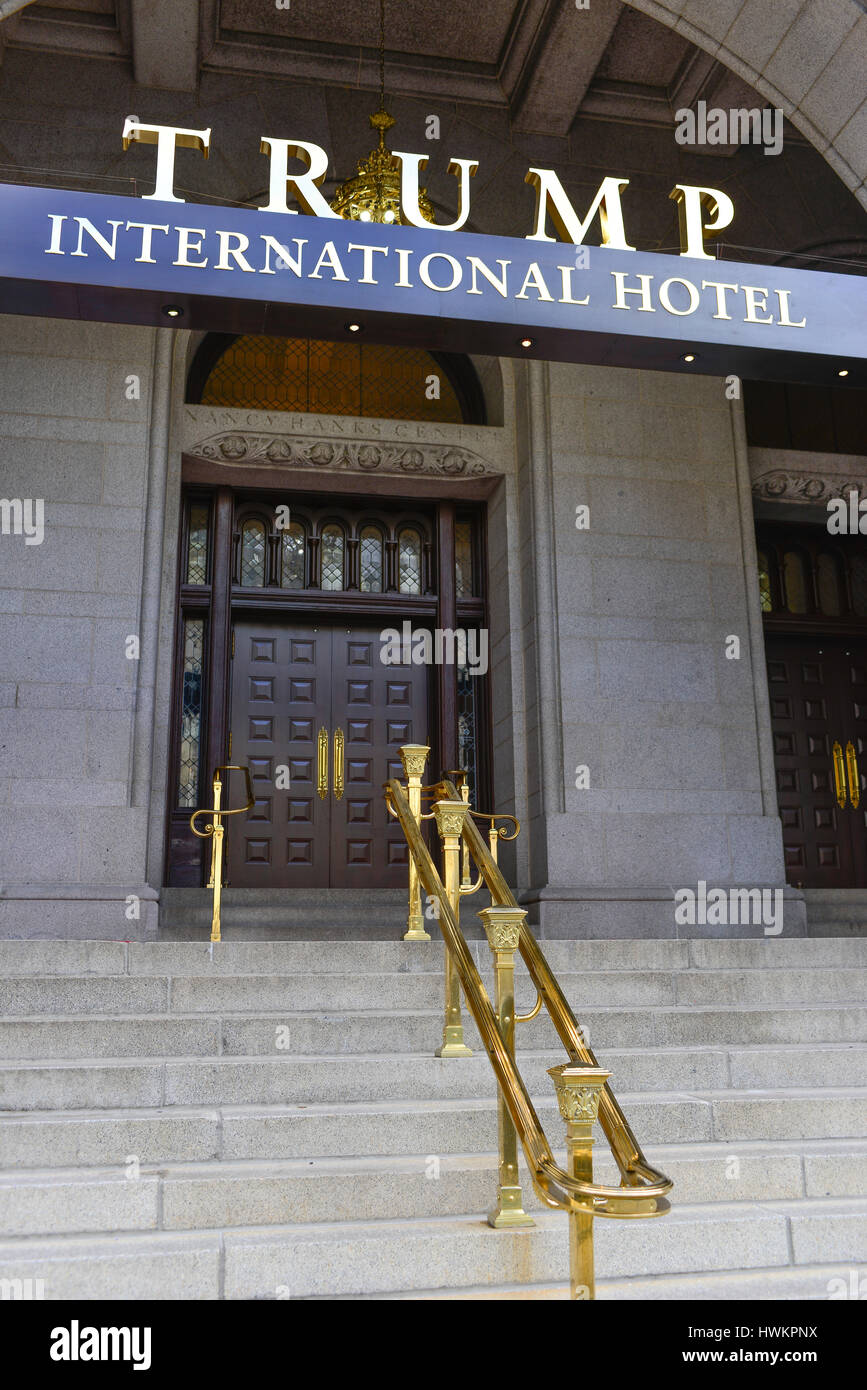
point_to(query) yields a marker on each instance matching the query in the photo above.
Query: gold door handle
(338, 764)
(854, 776)
(839, 775)
(322, 763)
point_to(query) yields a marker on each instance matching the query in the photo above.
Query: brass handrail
(634, 1167)
(555, 1187)
(215, 832)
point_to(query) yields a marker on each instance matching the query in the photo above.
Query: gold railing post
(414, 756)
(458, 778)
(503, 930)
(578, 1093)
(216, 880)
(450, 819)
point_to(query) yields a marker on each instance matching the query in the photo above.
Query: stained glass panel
(253, 554)
(197, 545)
(294, 550)
(796, 582)
(371, 560)
(467, 752)
(191, 712)
(859, 584)
(828, 584)
(409, 562)
(331, 558)
(463, 559)
(765, 583)
(375, 380)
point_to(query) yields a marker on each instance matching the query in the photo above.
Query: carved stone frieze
(246, 448)
(786, 485)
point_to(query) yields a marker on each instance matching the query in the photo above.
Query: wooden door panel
(280, 699)
(378, 708)
(808, 713)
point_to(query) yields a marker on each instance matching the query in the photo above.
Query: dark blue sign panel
(88, 255)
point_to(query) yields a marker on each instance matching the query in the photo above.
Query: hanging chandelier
(373, 195)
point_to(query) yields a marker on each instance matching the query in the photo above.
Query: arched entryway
(289, 599)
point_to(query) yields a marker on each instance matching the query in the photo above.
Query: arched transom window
(255, 372)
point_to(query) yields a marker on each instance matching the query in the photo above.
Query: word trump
(730, 907)
(551, 198)
(444, 646)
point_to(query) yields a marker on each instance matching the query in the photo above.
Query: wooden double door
(818, 694)
(319, 720)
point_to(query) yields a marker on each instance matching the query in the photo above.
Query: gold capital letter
(167, 138)
(305, 186)
(551, 197)
(691, 202)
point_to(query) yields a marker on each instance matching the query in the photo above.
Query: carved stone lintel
(243, 448)
(788, 485)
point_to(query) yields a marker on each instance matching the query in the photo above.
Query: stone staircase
(266, 1120)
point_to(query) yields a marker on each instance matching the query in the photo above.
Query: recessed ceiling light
(844, 371)
(689, 357)
(526, 342)
(173, 311)
(354, 327)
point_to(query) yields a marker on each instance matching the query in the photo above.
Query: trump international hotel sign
(157, 259)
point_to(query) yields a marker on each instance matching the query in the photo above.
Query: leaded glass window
(371, 560)
(294, 553)
(253, 554)
(828, 585)
(859, 584)
(197, 544)
(331, 548)
(409, 562)
(765, 583)
(796, 581)
(257, 372)
(467, 731)
(191, 712)
(463, 559)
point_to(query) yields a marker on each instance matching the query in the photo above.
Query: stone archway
(807, 59)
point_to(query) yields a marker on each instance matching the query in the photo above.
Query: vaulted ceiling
(541, 60)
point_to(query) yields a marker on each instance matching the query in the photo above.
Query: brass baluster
(216, 880)
(459, 778)
(413, 757)
(215, 832)
(503, 930)
(450, 819)
(578, 1093)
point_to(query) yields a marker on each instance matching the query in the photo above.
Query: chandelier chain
(381, 55)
